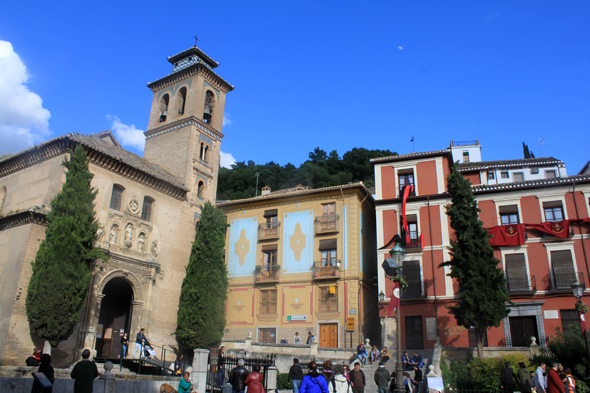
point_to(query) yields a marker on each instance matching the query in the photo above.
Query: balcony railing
(415, 240)
(564, 281)
(326, 269)
(521, 284)
(416, 289)
(269, 273)
(269, 231)
(327, 223)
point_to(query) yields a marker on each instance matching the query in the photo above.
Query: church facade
(147, 208)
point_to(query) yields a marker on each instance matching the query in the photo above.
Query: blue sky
(331, 74)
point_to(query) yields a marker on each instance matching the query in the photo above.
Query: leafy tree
(527, 152)
(201, 319)
(61, 271)
(481, 283)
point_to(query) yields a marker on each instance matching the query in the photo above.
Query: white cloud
(226, 160)
(23, 120)
(400, 47)
(128, 136)
(226, 120)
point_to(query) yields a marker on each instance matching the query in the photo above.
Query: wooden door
(522, 329)
(329, 335)
(118, 327)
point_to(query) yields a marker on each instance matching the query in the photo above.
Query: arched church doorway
(115, 317)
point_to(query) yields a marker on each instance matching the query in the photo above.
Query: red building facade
(539, 216)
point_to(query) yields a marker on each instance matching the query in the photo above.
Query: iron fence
(218, 375)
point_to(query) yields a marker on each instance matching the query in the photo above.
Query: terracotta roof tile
(410, 155)
(470, 166)
(529, 183)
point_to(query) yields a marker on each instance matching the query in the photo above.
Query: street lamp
(393, 268)
(381, 297)
(578, 290)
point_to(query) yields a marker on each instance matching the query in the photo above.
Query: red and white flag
(394, 301)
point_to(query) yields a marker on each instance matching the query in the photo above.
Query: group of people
(374, 354)
(556, 380)
(297, 339)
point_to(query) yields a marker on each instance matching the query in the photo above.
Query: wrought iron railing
(269, 231)
(218, 374)
(522, 341)
(270, 273)
(564, 281)
(521, 284)
(327, 223)
(326, 269)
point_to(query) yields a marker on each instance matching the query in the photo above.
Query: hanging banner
(407, 191)
(393, 301)
(507, 235)
(554, 228)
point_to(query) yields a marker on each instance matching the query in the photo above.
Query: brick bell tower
(186, 119)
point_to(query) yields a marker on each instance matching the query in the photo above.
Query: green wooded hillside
(321, 170)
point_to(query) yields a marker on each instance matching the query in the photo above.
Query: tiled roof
(410, 155)
(117, 153)
(197, 63)
(194, 50)
(584, 168)
(469, 166)
(293, 191)
(531, 183)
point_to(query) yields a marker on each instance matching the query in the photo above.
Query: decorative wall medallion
(297, 242)
(134, 205)
(242, 247)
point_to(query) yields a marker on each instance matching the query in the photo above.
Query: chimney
(265, 190)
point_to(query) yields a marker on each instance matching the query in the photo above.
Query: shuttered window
(563, 269)
(329, 298)
(569, 318)
(268, 301)
(516, 273)
(267, 335)
(411, 273)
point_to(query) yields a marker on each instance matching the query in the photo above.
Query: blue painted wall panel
(298, 235)
(244, 231)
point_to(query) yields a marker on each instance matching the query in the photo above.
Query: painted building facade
(302, 260)
(533, 197)
(147, 208)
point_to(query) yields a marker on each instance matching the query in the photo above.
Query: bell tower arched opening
(115, 317)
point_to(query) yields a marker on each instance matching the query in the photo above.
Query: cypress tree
(61, 270)
(484, 298)
(201, 310)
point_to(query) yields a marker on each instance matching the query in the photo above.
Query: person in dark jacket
(84, 372)
(524, 378)
(140, 342)
(554, 383)
(124, 345)
(418, 377)
(238, 376)
(328, 373)
(295, 375)
(313, 382)
(382, 378)
(254, 380)
(357, 379)
(507, 378)
(46, 369)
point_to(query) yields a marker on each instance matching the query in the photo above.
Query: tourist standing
(524, 378)
(310, 338)
(297, 339)
(221, 364)
(185, 384)
(570, 383)
(554, 383)
(84, 372)
(540, 380)
(46, 369)
(341, 379)
(418, 377)
(328, 373)
(238, 376)
(178, 365)
(313, 382)
(295, 375)
(357, 379)
(361, 353)
(507, 378)
(382, 378)
(124, 345)
(254, 380)
(140, 341)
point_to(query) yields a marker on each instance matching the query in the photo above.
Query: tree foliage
(527, 152)
(201, 309)
(321, 170)
(61, 271)
(481, 283)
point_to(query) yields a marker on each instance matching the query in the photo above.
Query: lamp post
(393, 268)
(578, 290)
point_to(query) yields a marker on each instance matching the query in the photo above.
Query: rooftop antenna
(541, 144)
(412, 140)
(196, 39)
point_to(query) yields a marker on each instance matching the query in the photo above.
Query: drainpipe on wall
(581, 234)
(432, 261)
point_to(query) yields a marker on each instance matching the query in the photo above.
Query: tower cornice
(196, 69)
(191, 120)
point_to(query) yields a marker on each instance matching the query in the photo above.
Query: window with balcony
(116, 196)
(328, 250)
(329, 298)
(411, 273)
(518, 176)
(509, 215)
(564, 274)
(269, 259)
(268, 301)
(328, 221)
(553, 211)
(269, 227)
(516, 273)
(412, 220)
(406, 178)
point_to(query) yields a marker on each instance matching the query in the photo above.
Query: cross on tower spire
(196, 39)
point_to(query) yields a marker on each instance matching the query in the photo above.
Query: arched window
(208, 110)
(2, 197)
(181, 100)
(116, 196)
(164, 101)
(200, 189)
(146, 211)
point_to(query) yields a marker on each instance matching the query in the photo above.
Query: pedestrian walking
(507, 378)
(238, 376)
(295, 375)
(140, 341)
(554, 383)
(570, 383)
(524, 378)
(340, 379)
(47, 370)
(185, 384)
(84, 372)
(540, 380)
(313, 382)
(382, 377)
(328, 373)
(254, 380)
(357, 379)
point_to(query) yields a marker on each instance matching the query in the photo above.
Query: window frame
(551, 171)
(328, 302)
(515, 174)
(515, 250)
(266, 301)
(505, 175)
(151, 201)
(491, 175)
(552, 199)
(269, 328)
(120, 196)
(561, 246)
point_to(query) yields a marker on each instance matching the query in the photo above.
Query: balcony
(521, 284)
(267, 231)
(326, 269)
(267, 273)
(416, 290)
(415, 240)
(564, 281)
(328, 223)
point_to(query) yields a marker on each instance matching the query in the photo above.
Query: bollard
(199, 375)
(109, 379)
(271, 379)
